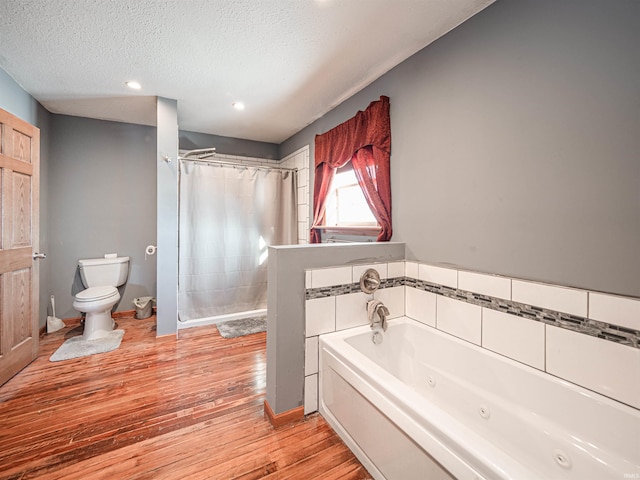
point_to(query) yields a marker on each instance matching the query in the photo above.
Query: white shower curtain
(229, 216)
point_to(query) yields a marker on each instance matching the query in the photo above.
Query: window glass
(346, 205)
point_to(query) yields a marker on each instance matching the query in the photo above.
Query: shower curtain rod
(235, 165)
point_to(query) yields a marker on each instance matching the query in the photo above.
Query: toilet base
(97, 325)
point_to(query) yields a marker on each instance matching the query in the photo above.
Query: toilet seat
(93, 294)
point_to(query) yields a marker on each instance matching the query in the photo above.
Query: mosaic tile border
(587, 326)
(348, 288)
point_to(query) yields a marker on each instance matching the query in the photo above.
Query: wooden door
(19, 187)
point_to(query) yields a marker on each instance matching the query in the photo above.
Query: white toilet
(101, 276)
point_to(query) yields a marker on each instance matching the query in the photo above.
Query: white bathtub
(426, 405)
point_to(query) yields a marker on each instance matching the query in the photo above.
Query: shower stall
(229, 215)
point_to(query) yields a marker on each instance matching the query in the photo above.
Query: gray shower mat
(242, 327)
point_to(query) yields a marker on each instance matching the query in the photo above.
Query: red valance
(364, 139)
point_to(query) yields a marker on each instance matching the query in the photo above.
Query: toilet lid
(95, 293)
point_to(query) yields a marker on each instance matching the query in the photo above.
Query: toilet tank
(104, 272)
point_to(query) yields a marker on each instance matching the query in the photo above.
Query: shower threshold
(199, 322)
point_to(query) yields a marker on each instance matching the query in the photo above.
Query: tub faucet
(377, 307)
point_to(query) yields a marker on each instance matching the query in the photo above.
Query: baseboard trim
(130, 313)
(280, 419)
(169, 337)
(76, 320)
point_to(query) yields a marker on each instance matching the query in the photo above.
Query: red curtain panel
(365, 140)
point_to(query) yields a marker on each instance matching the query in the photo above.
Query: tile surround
(395, 269)
(351, 310)
(320, 316)
(566, 300)
(440, 275)
(514, 337)
(420, 306)
(605, 367)
(328, 277)
(491, 285)
(411, 269)
(310, 394)
(613, 309)
(461, 319)
(393, 298)
(608, 339)
(311, 355)
(358, 270)
(549, 294)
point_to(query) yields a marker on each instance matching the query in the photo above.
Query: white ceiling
(289, 61)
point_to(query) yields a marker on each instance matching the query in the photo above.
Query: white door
(19, 195)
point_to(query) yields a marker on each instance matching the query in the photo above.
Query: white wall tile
(622, 311)
(358, 270)
(311, 355)
(303, 176)
(485, 284)
(305, 230)
(515, 337)
(310, 394)
(420, 305)
(461, 319)
(567, 300)
(411, 270)
(443, 276)
(303, 212)
(393, 299)
(606, 367)
(302, 230)
(307, 279)
(351, 310)
(395, 269)
(327, 277)
(320, 316)
(302, 192)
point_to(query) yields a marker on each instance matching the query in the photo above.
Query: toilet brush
(54, 323)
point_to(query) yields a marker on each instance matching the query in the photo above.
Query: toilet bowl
(101, 276)
(97, 303)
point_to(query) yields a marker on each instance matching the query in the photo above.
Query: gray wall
(516, 143)
(18, 102)
(102, 199)
(286, 300)
(228, 145)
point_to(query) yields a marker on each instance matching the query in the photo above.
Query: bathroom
(514, 152)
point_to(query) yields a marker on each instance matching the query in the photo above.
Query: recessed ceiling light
(238, 105)
(134, 85)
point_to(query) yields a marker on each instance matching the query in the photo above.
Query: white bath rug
(244, 326)
(76, 347)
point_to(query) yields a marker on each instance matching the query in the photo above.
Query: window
(346, 205)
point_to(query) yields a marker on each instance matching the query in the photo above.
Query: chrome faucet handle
(370, 280)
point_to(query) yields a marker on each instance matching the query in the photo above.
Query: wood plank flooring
(185, 409)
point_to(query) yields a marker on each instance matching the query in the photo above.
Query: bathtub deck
(191, 408)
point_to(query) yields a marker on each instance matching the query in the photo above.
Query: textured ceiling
(289, 61)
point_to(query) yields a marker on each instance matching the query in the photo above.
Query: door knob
(37, 256)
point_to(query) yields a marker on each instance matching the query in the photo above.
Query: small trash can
(144, 306)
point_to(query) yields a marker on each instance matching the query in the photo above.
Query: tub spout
(377, 307)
